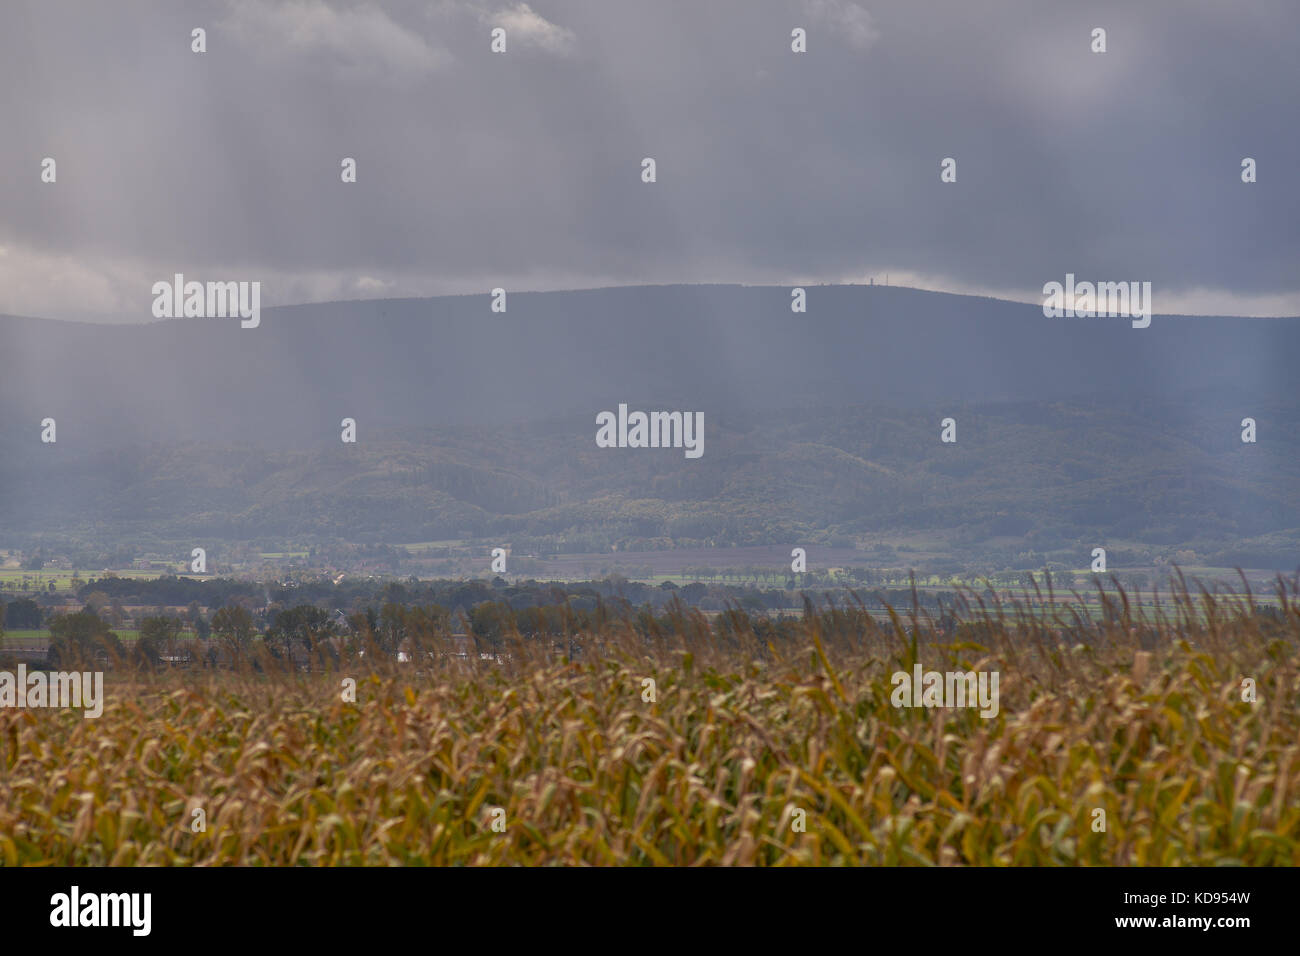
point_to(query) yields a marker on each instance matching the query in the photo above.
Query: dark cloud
(523, 170)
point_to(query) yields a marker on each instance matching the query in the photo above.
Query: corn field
(687, 742)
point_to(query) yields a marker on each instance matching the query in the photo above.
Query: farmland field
(13, 578)
(1116, 744)
(28, 637)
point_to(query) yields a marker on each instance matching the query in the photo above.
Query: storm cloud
(523, 169)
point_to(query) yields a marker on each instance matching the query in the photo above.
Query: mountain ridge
(823, 423)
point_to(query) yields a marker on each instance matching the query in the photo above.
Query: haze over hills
(450, 361)
(820, 425)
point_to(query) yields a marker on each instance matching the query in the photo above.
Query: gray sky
(523, 170)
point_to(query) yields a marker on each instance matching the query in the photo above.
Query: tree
(391, 630)
(161, 630)
(198, 621)
(24, 614)
(76, 637)
(305, 624)
(234, 625)
(96, 601)
(489, 623)
(116, 613)
(157, 635)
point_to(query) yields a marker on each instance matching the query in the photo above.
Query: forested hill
(1022, 477)
(471, 423)
(450, 360)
